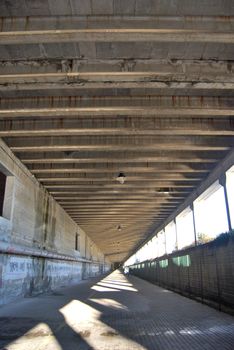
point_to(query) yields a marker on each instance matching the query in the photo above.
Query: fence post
(217, 277)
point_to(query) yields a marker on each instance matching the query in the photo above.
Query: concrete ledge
(11, 248)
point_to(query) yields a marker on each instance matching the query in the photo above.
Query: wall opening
(77, 242)
(210, 213)
(2, 191)
(6, 193)
(161, 243)
(171, 237)
(185, 229)
(230, 192)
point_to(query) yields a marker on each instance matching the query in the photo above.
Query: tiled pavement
(115, 313)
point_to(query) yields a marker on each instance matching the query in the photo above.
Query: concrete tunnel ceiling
(90, 89)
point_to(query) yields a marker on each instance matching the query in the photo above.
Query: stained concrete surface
(116, 312)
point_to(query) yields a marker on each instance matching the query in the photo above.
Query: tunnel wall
(38, 250)
(205, 272)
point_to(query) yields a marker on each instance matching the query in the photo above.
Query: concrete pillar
(176, 234)
(194, 224)
(222, 181)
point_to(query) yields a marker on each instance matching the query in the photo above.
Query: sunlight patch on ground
(114, 283)
(36, 338)
(110, 303)
(106, 284)
(87, 322)
(117, 284)
(78, 311)
(104, 289)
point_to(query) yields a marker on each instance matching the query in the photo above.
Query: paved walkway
(115, 313)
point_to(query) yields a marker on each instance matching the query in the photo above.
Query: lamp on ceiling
(121, 178)
(164, 190)
(119, 228)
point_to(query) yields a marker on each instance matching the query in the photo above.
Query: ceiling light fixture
(164, 190)
(119, 228)
(121, 178)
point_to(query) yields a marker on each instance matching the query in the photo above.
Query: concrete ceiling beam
(167, 88)
(175, 193)
(105, 79)
(110, 174)
(115, 112)
(101, 102)
(126, 185)
(41, 36)
(133, 178)
(116, 148)
(182, 161)
(117, 208)
(128, 198)
(207, 130)
(121, 216)
(119, 144)
(117, 7)
(127, 191)
(121, 202)
(150, 106)
(60, 23)
(164, 69)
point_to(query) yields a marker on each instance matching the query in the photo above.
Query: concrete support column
(165, 243)
(176, 234)
(194, 224)
(222, 181)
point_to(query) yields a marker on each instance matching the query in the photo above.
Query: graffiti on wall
(17, 268)
(55, 269)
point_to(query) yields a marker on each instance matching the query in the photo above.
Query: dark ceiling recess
(90, 92)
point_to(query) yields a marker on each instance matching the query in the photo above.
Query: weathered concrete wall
(33, 220)
(118, 7)
(30, 275)
(204, 272)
